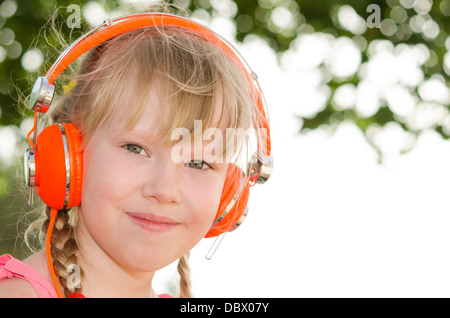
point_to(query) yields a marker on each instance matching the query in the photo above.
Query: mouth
(151, 222)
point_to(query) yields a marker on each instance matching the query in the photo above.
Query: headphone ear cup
(230, 188)
(76, 164)
(59, 164)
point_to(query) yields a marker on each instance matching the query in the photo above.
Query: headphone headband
(44, 88)
(260, 168)
(55, 167)
(120, 25)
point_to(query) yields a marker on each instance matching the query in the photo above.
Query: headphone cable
(53, 214)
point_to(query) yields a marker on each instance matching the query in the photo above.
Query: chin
(149, 260)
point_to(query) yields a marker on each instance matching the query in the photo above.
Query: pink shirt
(11, 267)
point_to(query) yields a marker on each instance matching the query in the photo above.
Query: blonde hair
(194, 72)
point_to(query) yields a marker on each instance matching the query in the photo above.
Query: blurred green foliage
(401, 22)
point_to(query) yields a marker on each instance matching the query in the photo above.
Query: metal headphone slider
(261, 170)
(219, 238)
(30, 172)
(108, 22)
(42, 95)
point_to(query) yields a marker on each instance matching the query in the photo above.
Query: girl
(147, 163)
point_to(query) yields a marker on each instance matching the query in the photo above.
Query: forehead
(158, 112)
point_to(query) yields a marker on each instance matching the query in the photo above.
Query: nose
(162, 183)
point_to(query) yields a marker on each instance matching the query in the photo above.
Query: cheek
(206, 198)
(104, 190)
(103, 184)
(104, 179)
(97, 174)
(94, 194)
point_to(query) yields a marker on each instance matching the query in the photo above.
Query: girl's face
(139, 207)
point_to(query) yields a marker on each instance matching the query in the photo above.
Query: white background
(332, 221)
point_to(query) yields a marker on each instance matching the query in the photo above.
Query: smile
(152, 223)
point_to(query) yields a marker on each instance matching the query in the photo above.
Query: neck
(103, 277)
(106, 281)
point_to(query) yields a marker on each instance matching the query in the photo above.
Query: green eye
(198, 164)
(134, 149)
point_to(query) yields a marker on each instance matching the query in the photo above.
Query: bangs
(180, 108)
(184, 114)
(198, 83)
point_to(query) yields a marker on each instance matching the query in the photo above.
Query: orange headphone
(54, 164)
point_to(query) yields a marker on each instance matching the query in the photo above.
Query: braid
(63, 250)
(185, 277)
